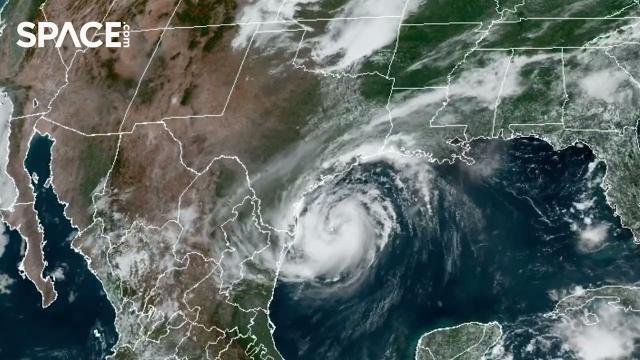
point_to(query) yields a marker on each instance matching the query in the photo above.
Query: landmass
(466, 341)
(599, 322)
(158, 147)
(624, 297)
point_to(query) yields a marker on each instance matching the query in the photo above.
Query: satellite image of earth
(320, 179)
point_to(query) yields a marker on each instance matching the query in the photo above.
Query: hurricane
(323, 180)
(384, 247)
(341, 230)
(395, 218)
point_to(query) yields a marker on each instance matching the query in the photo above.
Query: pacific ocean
(80, 323)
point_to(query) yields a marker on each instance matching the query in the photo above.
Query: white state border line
(233, 86)
(525, 48)
(270, 22)
(252, 320)
(401, 88)
(444, 23)
(499, 96)
(297, 22)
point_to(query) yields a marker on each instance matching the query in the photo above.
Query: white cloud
(4, 240)
(188, 216)
(486, 82)
(5, 282)
(603, 84)
(584, 205)
(3, 24)
(58, 274)
(611, 337)
(482, 83)
(416, 103)
(353, 40)
(345, 42)
(264, 11)
(339, 233)
(8, 190)
(592, 237)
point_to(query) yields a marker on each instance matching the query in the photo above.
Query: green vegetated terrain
(468, 341)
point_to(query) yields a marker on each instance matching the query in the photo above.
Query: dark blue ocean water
(503, 237)
(80, 323)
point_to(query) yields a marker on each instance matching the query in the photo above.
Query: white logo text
(47, 31)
